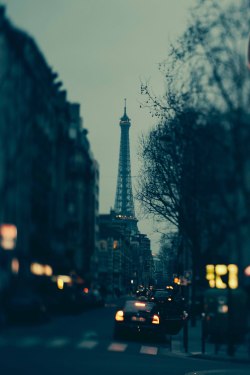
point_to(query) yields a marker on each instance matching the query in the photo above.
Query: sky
(102, 51)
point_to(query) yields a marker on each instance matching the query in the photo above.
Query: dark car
(92, 298)
(141, 291)
(171, 309)
(138, 317)
(25, 306)
(161, 295)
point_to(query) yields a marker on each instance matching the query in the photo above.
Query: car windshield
(133, 306)
(162, 294)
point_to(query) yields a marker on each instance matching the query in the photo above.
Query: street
(116, 185)
(83, 344)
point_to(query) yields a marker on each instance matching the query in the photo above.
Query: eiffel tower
(124, 203)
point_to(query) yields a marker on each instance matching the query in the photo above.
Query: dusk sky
(102, 50)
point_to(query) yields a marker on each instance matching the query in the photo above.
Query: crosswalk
(86, 343)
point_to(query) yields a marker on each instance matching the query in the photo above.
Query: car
(171, 309)
(92, 298)
(136, 317)
(141, 291)
(23, 305)
(161, 295)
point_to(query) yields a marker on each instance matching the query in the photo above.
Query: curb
(219, 358)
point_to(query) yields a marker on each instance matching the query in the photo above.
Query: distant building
(159, 279)
(142, 260)
(115, 256)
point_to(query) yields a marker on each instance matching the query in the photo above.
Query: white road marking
(87, 344)
(57, 343)
(195, 353)
(152, 350)
(117, 347)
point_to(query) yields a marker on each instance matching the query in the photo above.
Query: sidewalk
(194, 347)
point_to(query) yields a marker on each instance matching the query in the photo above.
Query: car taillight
(119, 316)
(156, 319)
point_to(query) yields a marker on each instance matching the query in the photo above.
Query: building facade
(48, 175)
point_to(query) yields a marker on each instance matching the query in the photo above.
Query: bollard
(216, 345)
(203, 334)
(230, 323)
(170, 343)
(185, 335)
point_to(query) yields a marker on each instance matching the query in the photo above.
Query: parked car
(141, 291)
(92, 298)
(161, 295)
(24, 305)
(70, 301)
(138, 317)
(171, 309)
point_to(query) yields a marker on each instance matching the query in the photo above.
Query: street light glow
(41, 269)
(8, 235)
(15, 265)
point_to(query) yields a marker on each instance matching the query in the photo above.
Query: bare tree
(199, 181)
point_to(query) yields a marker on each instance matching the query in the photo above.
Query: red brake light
(119, 316)
(156, 319)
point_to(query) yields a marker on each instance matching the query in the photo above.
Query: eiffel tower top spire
(124, 204)
(125, 117)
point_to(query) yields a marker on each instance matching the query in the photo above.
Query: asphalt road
(83, 345)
